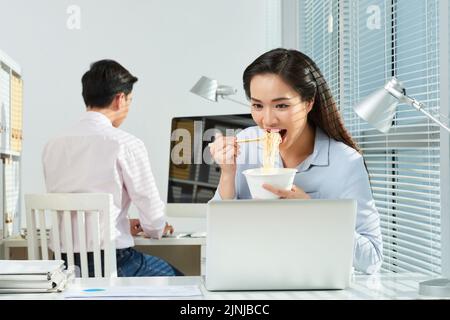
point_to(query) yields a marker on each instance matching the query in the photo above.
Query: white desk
(20, 242)
(363, 287)
(187, 253)
(13, 242)
(187, 241)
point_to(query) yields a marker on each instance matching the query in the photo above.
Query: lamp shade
(378, 109)
(210, 89)
(206, 88)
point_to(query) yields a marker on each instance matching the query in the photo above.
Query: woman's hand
(224, 151)
(294, 193)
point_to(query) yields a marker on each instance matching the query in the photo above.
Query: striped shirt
(94, 157)
(332, 171)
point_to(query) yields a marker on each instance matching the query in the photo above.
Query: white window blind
(379, 39)
(319, 37)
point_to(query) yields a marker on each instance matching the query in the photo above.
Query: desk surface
(363, 287)
(19, 241)
(142, 241)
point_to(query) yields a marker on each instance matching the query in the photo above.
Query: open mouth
(282, 132)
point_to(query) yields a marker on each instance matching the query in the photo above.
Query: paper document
(198, 234)
(133, 291)
(179, 235)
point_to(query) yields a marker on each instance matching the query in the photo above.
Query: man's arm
(141, 187)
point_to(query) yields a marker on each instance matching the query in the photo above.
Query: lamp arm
(236, 101)
(420, 107)
(399, 93)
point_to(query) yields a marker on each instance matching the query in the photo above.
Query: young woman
(289, 94)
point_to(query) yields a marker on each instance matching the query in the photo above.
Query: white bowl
(281, 178)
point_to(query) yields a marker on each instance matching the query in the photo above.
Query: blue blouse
(333, 171)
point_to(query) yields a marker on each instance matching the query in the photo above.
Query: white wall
(167, 44)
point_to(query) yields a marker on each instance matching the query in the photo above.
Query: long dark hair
(300, 72)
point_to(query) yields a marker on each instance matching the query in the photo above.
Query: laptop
(279, 244)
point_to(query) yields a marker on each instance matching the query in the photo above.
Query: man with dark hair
(94, 156)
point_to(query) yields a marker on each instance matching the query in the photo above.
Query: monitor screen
(193, 175)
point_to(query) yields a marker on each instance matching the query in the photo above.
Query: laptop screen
(193, 176)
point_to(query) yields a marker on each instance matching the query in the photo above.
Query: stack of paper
(16, 112)
(32, 276)
(5, 105)
(11, 191)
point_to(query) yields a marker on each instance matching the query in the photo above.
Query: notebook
(29, 269)
(32, 276)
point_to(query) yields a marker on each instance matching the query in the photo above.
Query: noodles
(271, 142)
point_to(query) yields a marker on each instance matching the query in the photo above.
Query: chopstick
(244, 140)
(249, 140)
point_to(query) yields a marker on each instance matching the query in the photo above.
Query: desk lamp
(379, 109)
(211, 90)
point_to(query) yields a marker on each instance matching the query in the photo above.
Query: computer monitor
(193, 176)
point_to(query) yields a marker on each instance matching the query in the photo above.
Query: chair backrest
(63, 209)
